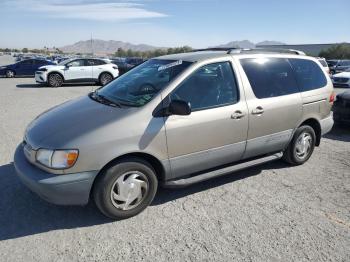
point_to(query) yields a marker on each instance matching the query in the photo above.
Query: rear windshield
(138, 86)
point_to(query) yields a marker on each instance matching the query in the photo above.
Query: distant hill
(104, 47)
(269, 43)
(249, 44)
(111, 46)
(239, 44)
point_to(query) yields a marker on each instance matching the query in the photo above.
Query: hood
(51, 66)
(62, 125)
(342, 74)
(344, 96)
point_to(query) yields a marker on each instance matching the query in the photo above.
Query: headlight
(57, 159)
(42, 70)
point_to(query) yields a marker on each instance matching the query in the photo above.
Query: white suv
(77, 70)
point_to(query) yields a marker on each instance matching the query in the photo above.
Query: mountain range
(109, 47)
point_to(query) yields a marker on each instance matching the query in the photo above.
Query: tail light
(332, 97)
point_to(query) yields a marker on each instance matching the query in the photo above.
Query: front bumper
(70, 189)
(40, 77)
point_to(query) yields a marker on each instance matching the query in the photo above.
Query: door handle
(237, 115)
(258, 111)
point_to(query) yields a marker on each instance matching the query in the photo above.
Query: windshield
(65, 61)
(141, 84)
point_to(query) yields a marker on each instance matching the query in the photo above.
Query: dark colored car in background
(338, 66)
(125, 64)
(341, 108)
(24, 68)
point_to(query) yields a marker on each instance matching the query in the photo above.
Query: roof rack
(272, 50)
(227, 49)
(232, 50)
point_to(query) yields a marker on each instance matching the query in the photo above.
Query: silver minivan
(174, 121)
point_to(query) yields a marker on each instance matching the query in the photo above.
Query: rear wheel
(125, 189)
(105, 78)
(55, 80)
(301, 147)
(10, 74)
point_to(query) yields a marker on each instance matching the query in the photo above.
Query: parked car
(323, 62)
(341, 108)
(174, 121)
(78, 70)
(338, 66)
(342, 79)
(24, 67)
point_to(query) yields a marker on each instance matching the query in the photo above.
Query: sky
(165, 23)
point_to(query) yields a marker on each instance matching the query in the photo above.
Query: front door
(25, 67)
(274, 104)
(76, 70)
(215, 132)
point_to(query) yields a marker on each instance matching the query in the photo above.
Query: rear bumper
(70, 189)
(326, 124)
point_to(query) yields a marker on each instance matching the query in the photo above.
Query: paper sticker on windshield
(163, 67)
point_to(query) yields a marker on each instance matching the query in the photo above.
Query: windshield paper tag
(179, 62)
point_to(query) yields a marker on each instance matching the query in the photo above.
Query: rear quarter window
(270, 77)
(308, 74)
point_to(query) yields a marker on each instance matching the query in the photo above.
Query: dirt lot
(269, 213)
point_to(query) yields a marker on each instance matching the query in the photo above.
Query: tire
(55, 80)
(301, 147)
(117, 190)
(105, 78)
(10, 73)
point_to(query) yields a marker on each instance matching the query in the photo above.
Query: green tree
(25, 50)
(341, 51)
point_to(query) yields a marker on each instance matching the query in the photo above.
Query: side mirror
(179, 107)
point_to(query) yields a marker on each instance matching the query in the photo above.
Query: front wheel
(10, 74)
(301, 147)
(125, 189)
(55, 80)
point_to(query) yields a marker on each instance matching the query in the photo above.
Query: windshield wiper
(104, 100)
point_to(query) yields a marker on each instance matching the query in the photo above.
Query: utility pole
(92, 48)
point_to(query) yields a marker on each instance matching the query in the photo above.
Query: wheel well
(153, 161)
(316, 127)
(55, 72)
(105, 72)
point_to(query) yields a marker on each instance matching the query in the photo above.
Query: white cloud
(87, 10)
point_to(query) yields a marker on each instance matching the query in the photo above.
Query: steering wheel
(147, 88)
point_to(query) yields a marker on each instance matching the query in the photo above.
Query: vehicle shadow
(30, 86)
(168, 194)
(23, 213)
(340, 133)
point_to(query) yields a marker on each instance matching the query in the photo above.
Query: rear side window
(95, 62)
(270, 77)
(308, 74)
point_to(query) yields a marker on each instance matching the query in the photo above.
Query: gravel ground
(269, 213)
